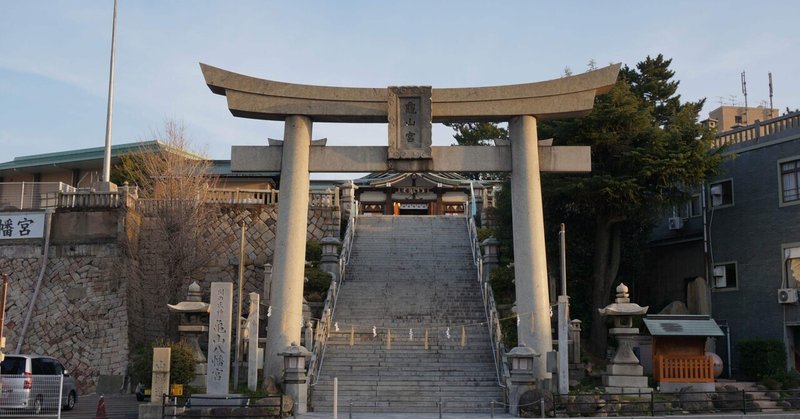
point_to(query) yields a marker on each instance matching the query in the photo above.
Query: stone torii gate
(410, 111)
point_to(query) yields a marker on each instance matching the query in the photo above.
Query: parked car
(31, 382)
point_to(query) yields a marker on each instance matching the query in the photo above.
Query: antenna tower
(744, 92)
(770, 95)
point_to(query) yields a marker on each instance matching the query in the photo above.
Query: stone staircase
(409, 272)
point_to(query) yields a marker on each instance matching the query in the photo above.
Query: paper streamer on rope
(517, 320)
(336, 325)
(374, 332)
(447, 333)
(269, 311)
(426, 339)
(551, 311)
(389, 339)
(352, 335)
(463, 336)
(410, 334)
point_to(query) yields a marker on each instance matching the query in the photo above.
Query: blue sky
(54, 57)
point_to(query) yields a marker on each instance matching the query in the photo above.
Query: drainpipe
(48, 222)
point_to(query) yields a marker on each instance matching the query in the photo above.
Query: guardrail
(759, 130)
(329, 309)
(489, 307)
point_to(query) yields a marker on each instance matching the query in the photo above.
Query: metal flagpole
(109, 111)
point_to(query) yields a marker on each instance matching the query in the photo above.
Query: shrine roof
(682, 325)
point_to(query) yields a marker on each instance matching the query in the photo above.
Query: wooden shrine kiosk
(679, 355)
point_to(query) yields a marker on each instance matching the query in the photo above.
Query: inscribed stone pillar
(530, 260)
(219, 338)
(290, 244)
(252, 343)
(160, 385)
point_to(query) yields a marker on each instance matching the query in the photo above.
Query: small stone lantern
(294, 375)
(491, 255)
(522, 379)
(194, 317)
(329, 262)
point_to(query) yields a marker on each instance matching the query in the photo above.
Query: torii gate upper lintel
(410, 110)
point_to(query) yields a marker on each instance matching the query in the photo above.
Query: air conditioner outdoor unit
(787, 295)
(675, 223)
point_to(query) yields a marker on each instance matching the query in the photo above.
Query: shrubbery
(181, 366)
(762, 358)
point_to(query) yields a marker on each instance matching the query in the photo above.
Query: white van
(31, 382)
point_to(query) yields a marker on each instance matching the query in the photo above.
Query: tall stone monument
(219, 338)
(409, 112)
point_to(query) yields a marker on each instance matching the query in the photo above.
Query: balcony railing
(759, 129)
(684, 369)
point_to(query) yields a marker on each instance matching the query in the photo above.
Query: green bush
(181, 364)
(313, 252)
(502, 281)
(761, 358)
(317, 286)
(484, 233)
(785, 380)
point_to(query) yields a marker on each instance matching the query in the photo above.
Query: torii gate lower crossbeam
(409, 112)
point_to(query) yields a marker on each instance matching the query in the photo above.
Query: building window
(791, 257)
(790, 181)
(725, 276)
(722, 194)
(695, 206)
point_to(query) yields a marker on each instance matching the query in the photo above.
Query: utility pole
(563, 320)
(237, 354)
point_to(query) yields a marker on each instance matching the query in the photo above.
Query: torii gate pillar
(409, 112)
(288, 260)
(530, 259)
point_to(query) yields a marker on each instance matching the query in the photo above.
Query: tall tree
(648, 151)
(175, 188)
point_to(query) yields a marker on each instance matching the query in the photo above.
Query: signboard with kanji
(21, 225)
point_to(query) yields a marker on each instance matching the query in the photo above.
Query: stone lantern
(329, 262)
(194, 319)
(294, 375)
(521, 360)
(624, 374)
(491, 255)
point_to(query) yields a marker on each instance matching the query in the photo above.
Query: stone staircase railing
(490, 308)
(323, 328)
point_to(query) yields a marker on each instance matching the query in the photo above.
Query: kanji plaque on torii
(409, 111)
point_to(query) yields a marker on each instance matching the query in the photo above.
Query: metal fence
(31, 195)
(31, 396)
(211, 406)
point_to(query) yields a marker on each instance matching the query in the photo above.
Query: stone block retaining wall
(99, 299)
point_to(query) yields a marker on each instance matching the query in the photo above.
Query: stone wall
(79, 316)
(101, 296)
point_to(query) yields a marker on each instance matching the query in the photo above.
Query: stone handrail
(489, 307)
(324, 326)
(758, 130)
(243, 196)
(90, 199)
(325, 199)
